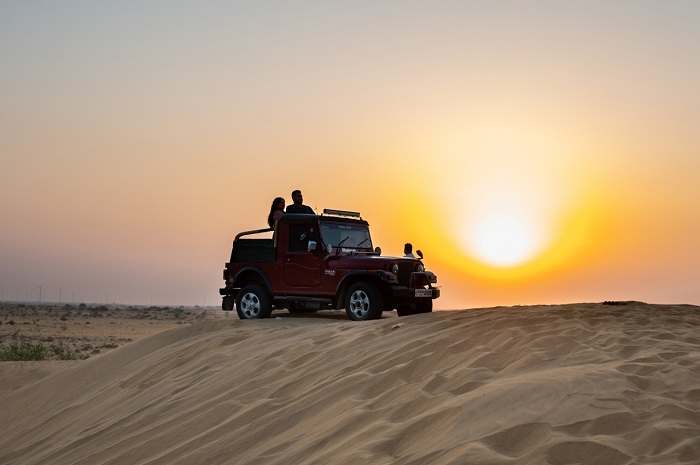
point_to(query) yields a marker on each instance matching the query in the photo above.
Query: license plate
(424, 293)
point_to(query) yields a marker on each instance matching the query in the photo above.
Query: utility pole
(40, 294)
(60, 291)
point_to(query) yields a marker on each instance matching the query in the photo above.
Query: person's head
(407, 248)
(297, 197)
(277, 204)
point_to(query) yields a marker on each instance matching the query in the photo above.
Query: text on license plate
(424, 293)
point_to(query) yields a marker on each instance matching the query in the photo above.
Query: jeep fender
(371, 276)
(244, 275)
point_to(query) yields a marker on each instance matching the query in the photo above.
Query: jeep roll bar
(254, 231)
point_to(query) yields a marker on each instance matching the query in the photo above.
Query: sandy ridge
(586, 383)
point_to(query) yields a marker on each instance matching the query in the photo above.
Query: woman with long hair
(276, 211)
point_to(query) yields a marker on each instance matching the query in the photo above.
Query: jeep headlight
(420, 268)
(395, 268)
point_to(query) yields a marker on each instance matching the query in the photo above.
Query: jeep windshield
(346, 236)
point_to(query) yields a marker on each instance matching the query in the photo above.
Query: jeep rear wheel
(253, 302)
(363, 302)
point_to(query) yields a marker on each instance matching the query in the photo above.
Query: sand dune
(70, 333)
(575, 384)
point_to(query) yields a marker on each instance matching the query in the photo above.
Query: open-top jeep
(327, 261)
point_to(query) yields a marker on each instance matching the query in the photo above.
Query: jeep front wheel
(420, 306)
(363, 302)
(253, 302)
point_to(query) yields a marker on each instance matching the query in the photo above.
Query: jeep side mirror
(420, 254)
(311, 246)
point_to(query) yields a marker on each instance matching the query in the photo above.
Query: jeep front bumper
(405, 293)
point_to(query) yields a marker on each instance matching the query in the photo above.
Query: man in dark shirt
(298, 205)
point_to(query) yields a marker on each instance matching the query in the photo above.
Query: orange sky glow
(535, 155)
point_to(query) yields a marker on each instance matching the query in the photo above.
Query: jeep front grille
(404, 274)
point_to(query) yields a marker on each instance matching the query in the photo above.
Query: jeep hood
(367, 262)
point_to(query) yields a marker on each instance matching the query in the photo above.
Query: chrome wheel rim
(359, 304)
(250, 305)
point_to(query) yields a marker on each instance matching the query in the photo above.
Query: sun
(504, 238)
(505, 189)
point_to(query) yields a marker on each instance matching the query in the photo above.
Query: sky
(536, 152)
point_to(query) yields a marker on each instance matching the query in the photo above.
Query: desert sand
(571, 384)
(73, 332)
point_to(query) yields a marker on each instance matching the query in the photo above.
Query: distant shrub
(23, 351)
(62, 352)
(28, 351)
(621, 302)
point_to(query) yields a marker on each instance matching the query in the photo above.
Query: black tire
(363, 302)
(253, 302)
(420, 306)
(424, 306)
(406, 309)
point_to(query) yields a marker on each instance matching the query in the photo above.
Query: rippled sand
(573, 384)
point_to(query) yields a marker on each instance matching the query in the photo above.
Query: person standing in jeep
(298, 205)
(408, 250)
(276, 212)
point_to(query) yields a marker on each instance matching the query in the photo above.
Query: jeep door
(301, 268)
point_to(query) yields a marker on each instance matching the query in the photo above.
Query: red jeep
(327, 261)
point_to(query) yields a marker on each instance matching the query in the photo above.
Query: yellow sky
(534, 155)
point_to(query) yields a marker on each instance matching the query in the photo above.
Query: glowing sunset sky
(536, 152)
